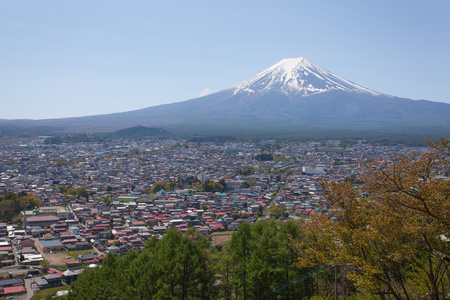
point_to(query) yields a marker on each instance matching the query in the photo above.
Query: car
(68, 257)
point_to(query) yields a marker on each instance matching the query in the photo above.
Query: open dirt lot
(220, 238)
(57, 259)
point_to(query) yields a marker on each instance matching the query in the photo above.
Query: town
(111, 197)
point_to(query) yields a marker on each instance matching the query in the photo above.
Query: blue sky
(75, 58)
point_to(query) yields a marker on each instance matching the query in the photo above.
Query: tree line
(186, 266)
(11, 204)
(202, 185)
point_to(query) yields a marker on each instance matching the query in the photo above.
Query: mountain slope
(291, 96)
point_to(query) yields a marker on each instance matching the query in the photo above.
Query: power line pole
(335, 282)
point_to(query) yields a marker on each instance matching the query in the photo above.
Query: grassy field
(74, 254)
(43, 294)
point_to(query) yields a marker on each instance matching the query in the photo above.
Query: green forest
(388, 239)
(11, 204)
(256, 261)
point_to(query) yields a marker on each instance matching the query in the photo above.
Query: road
(16, 253)
(278, 194)
(30, 291)
(69, 207)
(12, 270)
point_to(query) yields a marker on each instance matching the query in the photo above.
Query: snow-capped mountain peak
(296, 76)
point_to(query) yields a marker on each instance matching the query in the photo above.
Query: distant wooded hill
(135, 132)
(139, 132)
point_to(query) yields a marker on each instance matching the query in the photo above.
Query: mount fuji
(295, 77)
(292, 96)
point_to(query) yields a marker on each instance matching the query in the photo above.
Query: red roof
(7, 261)
(14, 290)
(91, 261)
(100, 258)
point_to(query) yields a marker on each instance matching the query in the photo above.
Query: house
(70, 276)
(5, 250)
(11, 282)
(49, 281)
(40, 221)
(70, 247)
(233, 226)
(29, 243)
(72, 263)
(50, 245)
(83, 246)
(12, 287)
(84, 258)
(203, 230)
(113, 249)
(8, 262)
(32, 259)
(124, 249)
(159, 229)
(3, 230)
(13, 290)
(228, 220)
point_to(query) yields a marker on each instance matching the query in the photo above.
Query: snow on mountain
(296, 77)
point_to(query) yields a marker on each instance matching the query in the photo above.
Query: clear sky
(75, 58)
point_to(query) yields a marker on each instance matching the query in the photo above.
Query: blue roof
(50, 243)
(11, 282)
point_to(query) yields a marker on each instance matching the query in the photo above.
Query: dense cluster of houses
(130, 167)
(119, 211)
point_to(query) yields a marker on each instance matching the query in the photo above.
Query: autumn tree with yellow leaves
(392, 234)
